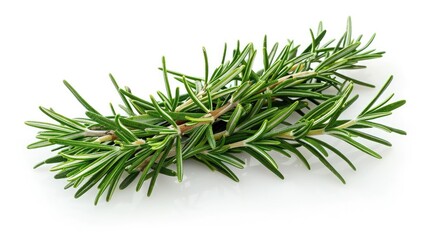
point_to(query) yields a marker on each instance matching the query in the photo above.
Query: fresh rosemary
(284, 107)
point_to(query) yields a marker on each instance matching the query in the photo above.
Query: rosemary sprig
(283, 107)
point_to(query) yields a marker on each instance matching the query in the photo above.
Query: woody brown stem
(102, 135)
(185, 128)
(215, 114)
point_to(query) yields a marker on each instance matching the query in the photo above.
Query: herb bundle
(283, 107)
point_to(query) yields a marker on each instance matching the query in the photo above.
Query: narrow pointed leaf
(162, 112)
(390, 107)
(258, 133)
(264, 154)
(369, 137)
(129, 179)
(194, 97)
(281, 116)
(167, 84)
(256, 119)
(210, 137)
(179, 159)
(49, 126)
(147, 167)
(62, 119)
(323, 160)
(124, 99)
(159, 166)
(233, 120)
(336, 151)
(264, 161)
(338, 55)
(358, 145)
(82, 144)
(368, 107)
(79, 98)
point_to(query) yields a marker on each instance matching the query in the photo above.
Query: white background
(44, 42)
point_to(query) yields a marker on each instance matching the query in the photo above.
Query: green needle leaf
(259, 133)
(224, 80)
(195, 138)
(265, 54)
(263, 154)
(233, 120)
(390, 107)
(117, 173)
(225, 47)
(353, 80)
(206, 67)
(338, 56)
(254, 120)
(262, 158)
(103, 121)
(214, 164)
(165, 100)
(141, 102)
(369, 137)
(91, 168)
(79, 98)
(227, 159)
(121, 94)
(125, 131)
(316, 145)
(194, 97)
(281, 116)
(285, 145)
(382, 127)
(39, 144)
(49, 126)
(179, 159)
(378, 95)
(210, 100)
(76, 143)
(349, 31)
(323, 160)
(166, 82)
(336, 151)
(210, 136)
(375, 115)
(148, 166)
(62, 119)
(128, 180)
(159, 166)
(358, 145)
(163, 114)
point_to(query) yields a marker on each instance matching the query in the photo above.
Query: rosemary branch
(297, 96)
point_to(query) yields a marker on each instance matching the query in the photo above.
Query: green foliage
(234, 109)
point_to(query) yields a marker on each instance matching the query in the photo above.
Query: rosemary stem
(219, 135)
(188, 102)
(96, 133)
(292, 76)
(242, 143)
(104, 138)
(347, 124)
(185, 128)
(213, 114)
